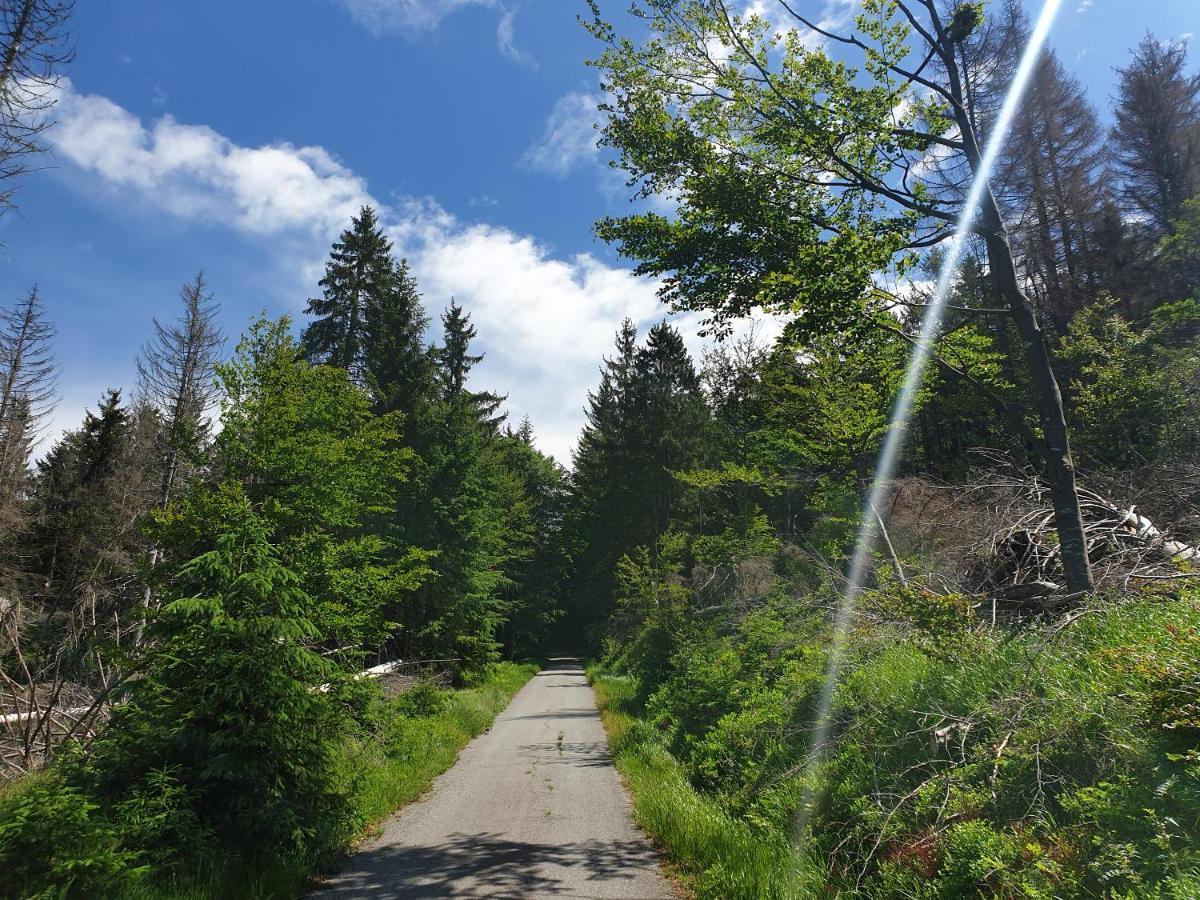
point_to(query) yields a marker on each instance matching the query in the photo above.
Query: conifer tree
(400, 368)
(1157, 132)
(672, 421)
(224, 725)
(465, 506)
(646, 421)
(176, 377)
(27, 379)
(34, 46)
(27, 394)
(538, 564)
(455, 362)
(359, 274)
(92, 491)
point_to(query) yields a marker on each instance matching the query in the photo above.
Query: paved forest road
(532, 809)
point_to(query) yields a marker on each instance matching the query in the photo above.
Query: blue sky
(239, 138)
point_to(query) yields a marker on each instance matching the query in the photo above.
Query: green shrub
(56, 842)
(422, 700)
(1046, 762)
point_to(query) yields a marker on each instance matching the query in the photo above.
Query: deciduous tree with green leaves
(797, 176)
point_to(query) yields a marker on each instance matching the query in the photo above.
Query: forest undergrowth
(154, 848)
(1062, 759)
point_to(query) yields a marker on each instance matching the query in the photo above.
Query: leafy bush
(1054, 761)
(56, 842)
(423, 700)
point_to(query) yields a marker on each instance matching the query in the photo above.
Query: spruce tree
(455, 362)
(175, 376)
(27, 395)
(28, 375)
(1157, 132)
(646, 421)
(538, 564)
(34, 47)
(359, 274)
(400, 368)
(466, 507)
(672, 422)
(225, 718)
(88, 503)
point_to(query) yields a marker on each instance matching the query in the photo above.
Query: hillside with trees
(194, 578)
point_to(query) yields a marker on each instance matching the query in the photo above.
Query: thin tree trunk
(16, 44)
(1056, 446)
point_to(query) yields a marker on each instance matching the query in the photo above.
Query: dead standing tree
(176, 380)
(175, 376)
(798, 178)
(34, 45)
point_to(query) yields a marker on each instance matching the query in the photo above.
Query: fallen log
(1029, 590)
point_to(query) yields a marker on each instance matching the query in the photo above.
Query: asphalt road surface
(532, 809)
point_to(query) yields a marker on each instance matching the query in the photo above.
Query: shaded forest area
(194, 577)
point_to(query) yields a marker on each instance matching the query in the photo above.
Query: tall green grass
(719, 855)
(1053, 760)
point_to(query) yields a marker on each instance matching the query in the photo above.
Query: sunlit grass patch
(721, 856)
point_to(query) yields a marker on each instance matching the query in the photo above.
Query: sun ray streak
(885, 469)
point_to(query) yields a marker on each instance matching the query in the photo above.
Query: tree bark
(1055, 447)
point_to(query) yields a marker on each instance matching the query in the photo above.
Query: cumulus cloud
(544, 319)
(193, 172)
(384, 16)
(569, 137)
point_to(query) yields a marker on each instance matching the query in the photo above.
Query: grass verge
(718, 855)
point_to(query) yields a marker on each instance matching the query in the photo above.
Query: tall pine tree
(647, 420)
(360, 272)
(455, 362)
(400, 367)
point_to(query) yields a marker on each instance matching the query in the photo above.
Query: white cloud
(193, 172)
(506, 39)
(544, 320)
(383, 16)
(569, 138)
(1084, 6)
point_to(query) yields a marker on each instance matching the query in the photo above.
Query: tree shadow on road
(584, 754)
(488, 865)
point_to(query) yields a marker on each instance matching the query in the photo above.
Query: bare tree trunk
(1055, 447)
(16, 43)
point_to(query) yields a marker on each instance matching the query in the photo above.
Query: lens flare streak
(889, 456)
